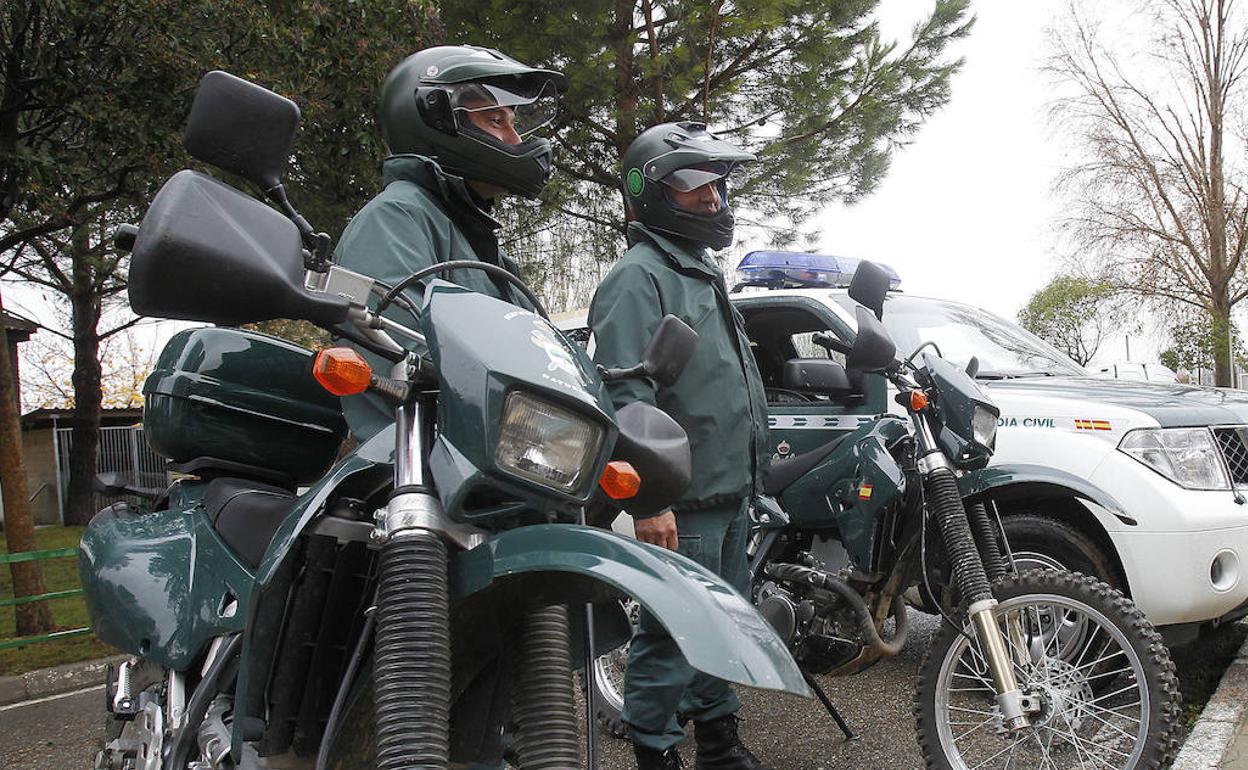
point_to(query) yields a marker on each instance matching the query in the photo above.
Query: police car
(1142, 484)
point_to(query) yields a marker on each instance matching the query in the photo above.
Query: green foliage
(1194, 342)
(1072, 314)
(809, 86)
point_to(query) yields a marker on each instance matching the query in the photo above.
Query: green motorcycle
(1041, 669)
(421, 600)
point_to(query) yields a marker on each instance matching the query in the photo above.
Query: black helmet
(426, 103)
(680, 157)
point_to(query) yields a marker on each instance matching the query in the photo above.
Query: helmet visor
(687, 179)
(525, 109)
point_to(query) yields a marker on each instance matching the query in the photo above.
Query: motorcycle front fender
(718, 630)
(1020, 480)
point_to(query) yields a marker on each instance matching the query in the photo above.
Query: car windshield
(960, 331)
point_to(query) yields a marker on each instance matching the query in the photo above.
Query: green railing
(55, 553)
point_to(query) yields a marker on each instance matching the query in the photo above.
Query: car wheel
(1041, 542)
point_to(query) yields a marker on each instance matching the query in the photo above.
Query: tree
(809, 86)
(91, 117)
(1193, 341)
(1072, 314)
(1158, 201)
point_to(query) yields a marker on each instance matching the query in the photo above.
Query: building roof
(46, 418)
(18, 327)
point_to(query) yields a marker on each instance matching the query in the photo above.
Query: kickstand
(827, 704)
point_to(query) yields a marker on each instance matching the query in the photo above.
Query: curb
(1215, 729)
(53, 681)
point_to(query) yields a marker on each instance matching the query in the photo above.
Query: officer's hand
(658, 530)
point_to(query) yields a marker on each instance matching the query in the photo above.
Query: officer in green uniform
(459, 122)
(675, 184)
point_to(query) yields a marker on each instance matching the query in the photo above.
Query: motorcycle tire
(1077, 720)
(607, 679)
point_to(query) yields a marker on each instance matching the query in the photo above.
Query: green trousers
(659, 684)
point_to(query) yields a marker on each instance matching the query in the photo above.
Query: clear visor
(686, 179)
(484, 105)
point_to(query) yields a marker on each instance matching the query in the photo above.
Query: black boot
(720, 748)
(653, 759)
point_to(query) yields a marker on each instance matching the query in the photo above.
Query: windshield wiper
(990, 375)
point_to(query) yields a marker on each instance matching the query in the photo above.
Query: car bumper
(1186, 556)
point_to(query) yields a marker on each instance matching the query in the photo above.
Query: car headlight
(545, 443)
(1187, 456)
(984, 426)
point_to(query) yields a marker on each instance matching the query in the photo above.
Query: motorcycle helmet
(428, 103)
(679, 158)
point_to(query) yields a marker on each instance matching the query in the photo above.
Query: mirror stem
(318, 244)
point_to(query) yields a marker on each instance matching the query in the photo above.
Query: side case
(162, 584)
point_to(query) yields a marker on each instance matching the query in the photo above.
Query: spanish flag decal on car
(864, 492)
(1092, 425)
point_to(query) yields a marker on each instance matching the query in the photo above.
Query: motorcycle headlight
(984, 426)
(1187, 456)
(545, 443)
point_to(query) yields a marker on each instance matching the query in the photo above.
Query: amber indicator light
(918, 400)
(620, 481)
(342, 371)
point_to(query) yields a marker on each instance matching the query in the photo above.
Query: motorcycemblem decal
(816, 421)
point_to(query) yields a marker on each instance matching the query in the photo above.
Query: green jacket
(719, 398)
(422, 216)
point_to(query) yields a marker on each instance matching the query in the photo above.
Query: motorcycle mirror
(873, 349)
(110, 483)
(207, 252)
(869, 287)
(972, 367)
(669, 350)
(240, 127)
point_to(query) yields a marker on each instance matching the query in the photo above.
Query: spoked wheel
(609, 681)
(1097, 682)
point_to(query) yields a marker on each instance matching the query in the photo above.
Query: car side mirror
(819, 375)
(240, 127)
(869, 287)
(669, 350)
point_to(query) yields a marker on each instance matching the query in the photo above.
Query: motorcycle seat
(246, 513)
(784, 472)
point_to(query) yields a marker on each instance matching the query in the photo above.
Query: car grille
(1234, 445)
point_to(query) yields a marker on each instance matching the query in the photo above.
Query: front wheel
(608, 680)
(1106, 697)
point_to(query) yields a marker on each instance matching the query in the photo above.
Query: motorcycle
(1033, 669)
(411, 603)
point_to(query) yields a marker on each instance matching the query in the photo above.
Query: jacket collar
(685, 255)
(450, 189)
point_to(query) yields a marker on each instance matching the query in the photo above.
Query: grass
(71, 612)
(1201, 663)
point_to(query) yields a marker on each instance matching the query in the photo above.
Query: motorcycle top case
(244, 397)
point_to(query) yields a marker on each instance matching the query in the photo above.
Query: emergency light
(799, 270)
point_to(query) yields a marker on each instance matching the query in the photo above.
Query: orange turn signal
(918, 400)
(620, 481)
(342, 371)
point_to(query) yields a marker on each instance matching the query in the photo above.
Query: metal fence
(123, 449)
(55, 553)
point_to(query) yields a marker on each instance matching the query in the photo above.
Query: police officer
(674, 178)
(460, 123)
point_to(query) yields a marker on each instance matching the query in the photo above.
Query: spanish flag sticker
(864, 492)
(1092, 425)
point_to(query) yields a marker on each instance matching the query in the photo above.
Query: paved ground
(59, 733)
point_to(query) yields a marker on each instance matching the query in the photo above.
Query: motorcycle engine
(820, 629)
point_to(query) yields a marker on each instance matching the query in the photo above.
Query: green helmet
(427, 103)
(680, 157)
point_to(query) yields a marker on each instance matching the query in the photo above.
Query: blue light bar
(796, 269)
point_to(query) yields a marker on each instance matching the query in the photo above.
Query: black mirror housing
(818, 375)
(873, 349)
(869, 287)
(207, 252)
(669, 350)
(110, 483)
(240, 127)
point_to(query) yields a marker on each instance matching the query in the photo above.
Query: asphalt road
(786, 732)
